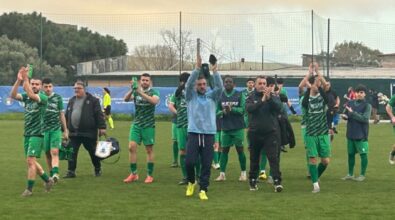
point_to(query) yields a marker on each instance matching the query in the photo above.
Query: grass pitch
(107, 197)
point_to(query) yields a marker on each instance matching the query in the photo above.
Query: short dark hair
(260, 77)
(146, 75)
(270, 81)
(227, 76)
(250, 79)
(80, 82)
(360, 87)
(280, 81)
(47, 81)
(107, 90)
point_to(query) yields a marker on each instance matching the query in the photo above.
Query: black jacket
(92, 118)
(262, 116)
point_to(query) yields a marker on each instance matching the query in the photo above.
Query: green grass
(106, 197)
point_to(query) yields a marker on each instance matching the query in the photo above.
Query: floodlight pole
(327, 52)
(312, 36)
(263, 58)
(181, 43)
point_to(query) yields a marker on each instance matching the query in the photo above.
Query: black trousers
(199, 146)
(269, 144)
(89, 145)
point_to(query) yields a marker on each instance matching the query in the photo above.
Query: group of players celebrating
(211, 116)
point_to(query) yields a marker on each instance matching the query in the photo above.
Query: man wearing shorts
(390, 108)
(54, 120)
(143, 128)
(357, 115)
(35, 103)
(232, 105)
(317, 138)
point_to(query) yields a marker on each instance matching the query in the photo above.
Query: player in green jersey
(172, 108)
(35, 103)
(54, 121)
(145, 99)
(317, 138)
(390, 108)
(178, 106)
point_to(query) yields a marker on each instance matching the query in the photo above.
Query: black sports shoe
(253, 185)
(97, 173)
(183, 182)
(284, 149)
(70, 174)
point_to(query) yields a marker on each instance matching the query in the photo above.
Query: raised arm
(218, 84)
(27, 87)
(14, 91)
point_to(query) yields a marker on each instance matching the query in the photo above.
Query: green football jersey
(172, 100)
(303, 121)
(145, 111)
(52, 113)
(316, 123)
(34, 114)
(246, 93)
(392, 104)
(182, 114)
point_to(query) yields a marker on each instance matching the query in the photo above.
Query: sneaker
(360, 178)
(48, 185)
(253, 185)
(284, 149)
(97, 173)
(174, 165)
(262, 175)
(278, 188)
(27, 193)
(202, 195)
(243, 176)
(190, 189)
(55, 178)
(149, 179)
(348, 177)
(391, 159)
(70, 174)
(316, 188)
(270, 180)
(221, 177)
(131, 178)
(215, 166)
(183, 182)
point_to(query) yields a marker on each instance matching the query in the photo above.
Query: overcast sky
(287, 38)
(366, 10)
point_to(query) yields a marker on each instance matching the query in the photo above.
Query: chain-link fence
(284, 42)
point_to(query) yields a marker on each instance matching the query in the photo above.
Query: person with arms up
(317, 130)
(35, 103)
(201, 104)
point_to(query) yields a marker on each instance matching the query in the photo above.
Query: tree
(355, 54)
(63, 44)
(15, 53)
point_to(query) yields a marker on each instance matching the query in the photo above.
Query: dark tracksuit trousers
(199, 146)
(89, 145)
(269, 144)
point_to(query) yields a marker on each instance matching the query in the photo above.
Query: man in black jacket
(85, 121)
(263, 107)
